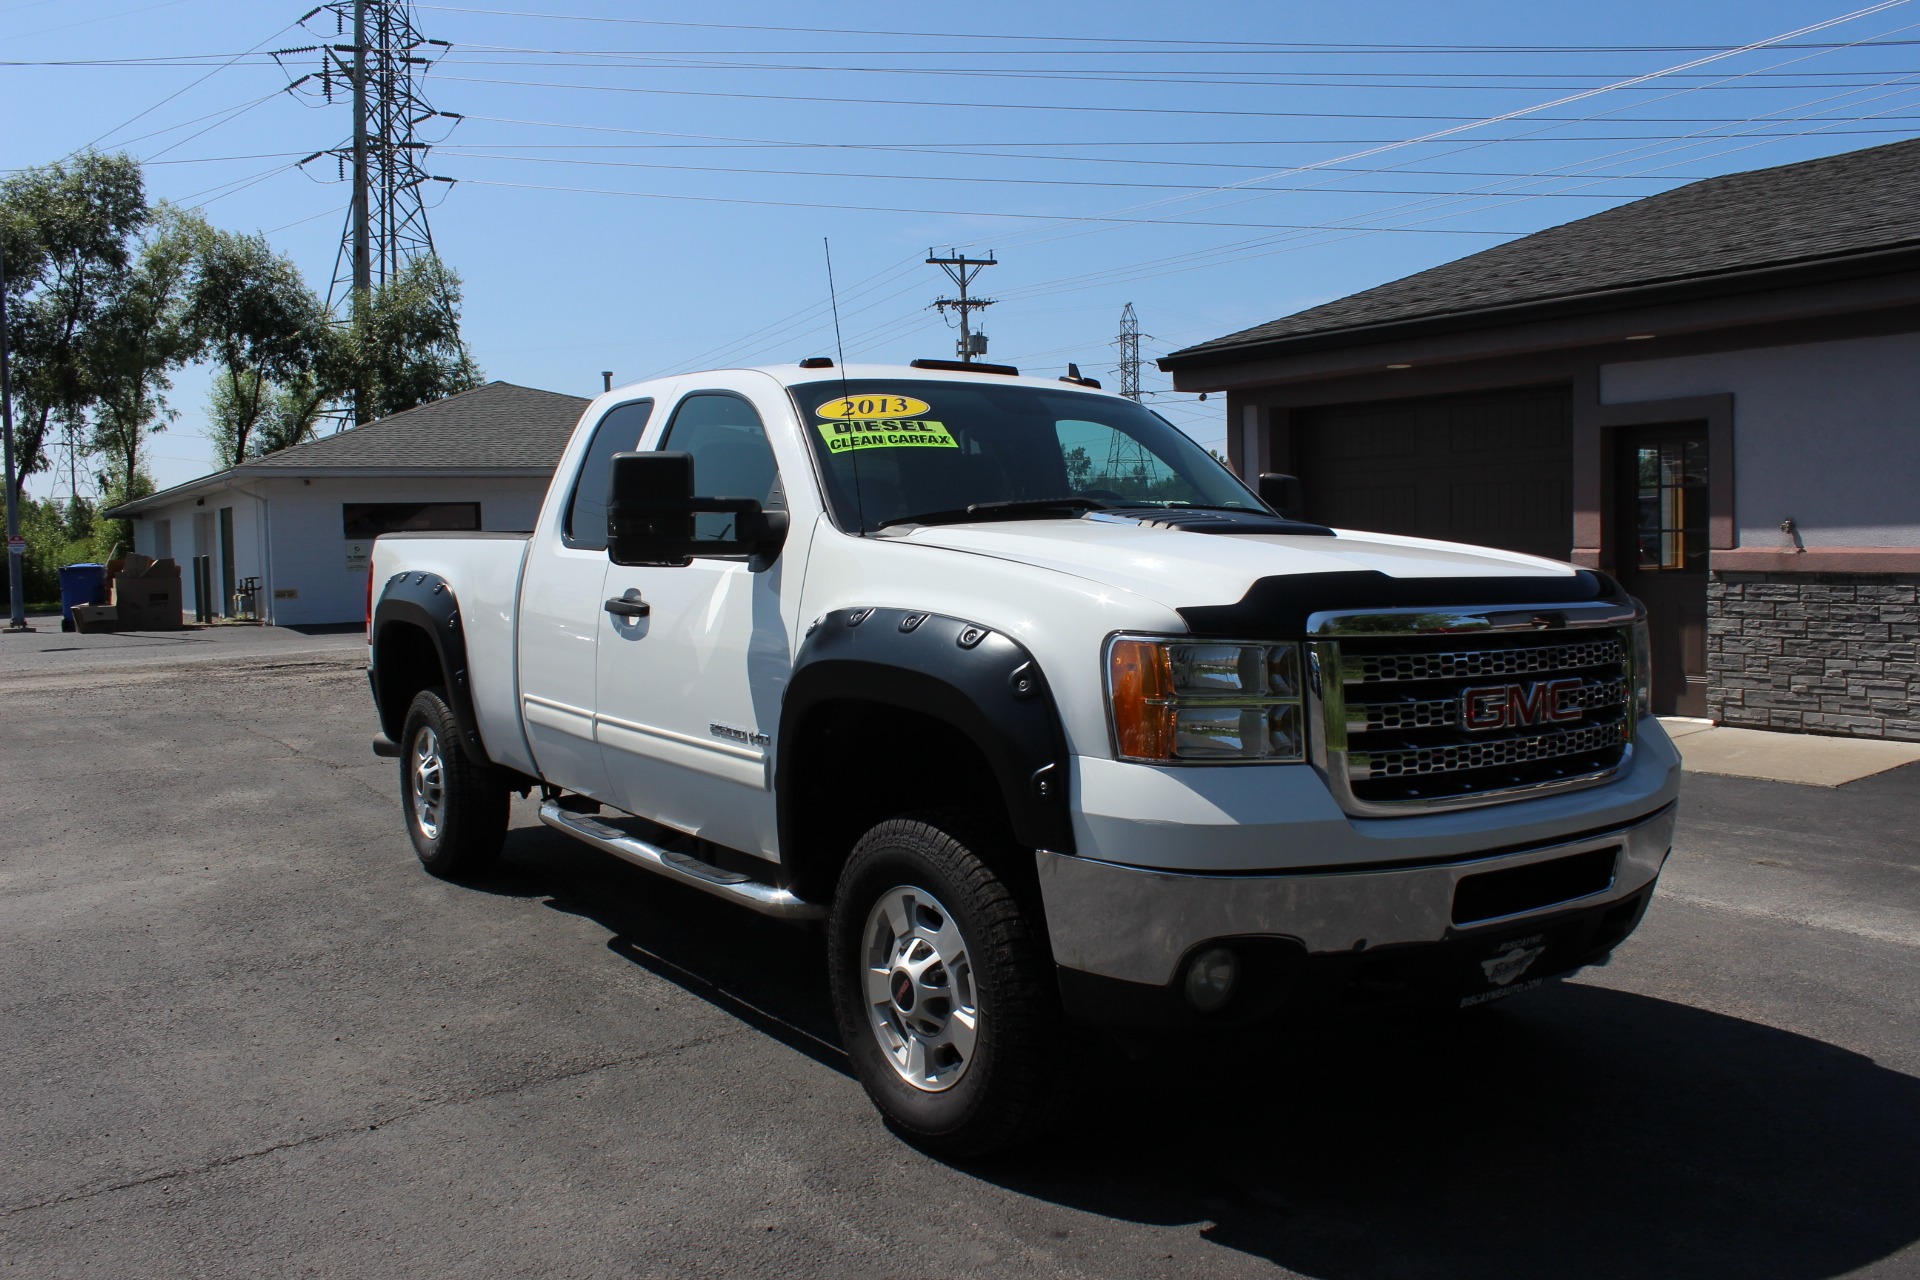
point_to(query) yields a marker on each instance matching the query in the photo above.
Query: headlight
(1642, 668)
(1177, 700)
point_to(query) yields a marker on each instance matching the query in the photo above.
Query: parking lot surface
(247, 1036)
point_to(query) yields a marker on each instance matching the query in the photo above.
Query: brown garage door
(1493, 469)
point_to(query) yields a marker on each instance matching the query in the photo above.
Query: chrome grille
(1482, 755)
(1381, 668)
(1434, 713)
(1394, 713)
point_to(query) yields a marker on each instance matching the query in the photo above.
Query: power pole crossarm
(962, 270)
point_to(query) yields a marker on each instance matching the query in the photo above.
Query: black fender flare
(981, 682)
(426, 601)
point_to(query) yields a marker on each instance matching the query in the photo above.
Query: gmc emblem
(1512, 706)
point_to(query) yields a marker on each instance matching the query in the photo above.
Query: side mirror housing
(651, 510)
(1283, 494)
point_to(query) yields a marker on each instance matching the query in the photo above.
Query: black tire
(460, 834)
(1008, 1088)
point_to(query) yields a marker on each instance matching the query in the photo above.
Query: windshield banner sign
(891, 433)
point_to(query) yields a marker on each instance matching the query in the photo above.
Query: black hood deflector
(1279, 606)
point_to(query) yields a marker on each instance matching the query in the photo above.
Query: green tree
(294, 415)
(110, 539)
(69, 228)
(283, 415)
(259, 323)
(141, 335)
(402, 346)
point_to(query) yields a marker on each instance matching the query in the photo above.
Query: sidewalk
(1805, 758)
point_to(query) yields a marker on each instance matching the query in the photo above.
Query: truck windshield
(902, 452)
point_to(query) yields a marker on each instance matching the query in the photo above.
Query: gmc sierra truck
(1051, 720)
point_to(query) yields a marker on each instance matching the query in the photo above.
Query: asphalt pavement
(246, 1036)
(46, 648)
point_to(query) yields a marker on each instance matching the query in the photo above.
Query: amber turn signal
(1140, 676)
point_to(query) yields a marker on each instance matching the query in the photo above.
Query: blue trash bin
(80, 584)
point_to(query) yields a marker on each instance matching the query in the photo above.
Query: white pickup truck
(1055, 723)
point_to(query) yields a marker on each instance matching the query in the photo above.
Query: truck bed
(483, 570)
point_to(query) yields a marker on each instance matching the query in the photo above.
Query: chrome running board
(768, 900)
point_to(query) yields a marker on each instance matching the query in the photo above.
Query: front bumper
(1136, 926)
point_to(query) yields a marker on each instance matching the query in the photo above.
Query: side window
(585, 524)
(731, 456)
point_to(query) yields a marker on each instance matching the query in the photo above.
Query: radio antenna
(840, 354)
(839, 348)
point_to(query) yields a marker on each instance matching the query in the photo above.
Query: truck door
(561, 612)
(689, 695)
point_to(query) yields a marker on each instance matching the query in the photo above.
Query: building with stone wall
(1712, 393)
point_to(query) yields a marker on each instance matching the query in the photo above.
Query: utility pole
(962, 270)
(1129, 344)
(16, 549)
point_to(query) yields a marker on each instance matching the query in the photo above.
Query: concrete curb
(1804, 758)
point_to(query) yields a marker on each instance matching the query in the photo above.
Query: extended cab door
(561, 610)
(689, 695)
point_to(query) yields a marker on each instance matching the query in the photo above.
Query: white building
(300, 523)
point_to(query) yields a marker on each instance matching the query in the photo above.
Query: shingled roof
(500, 428)
(1857, 202)
(499, 425)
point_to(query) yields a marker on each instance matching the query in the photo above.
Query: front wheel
(456, 809)
(942, 989)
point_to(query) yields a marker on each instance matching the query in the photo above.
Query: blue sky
(646, 188)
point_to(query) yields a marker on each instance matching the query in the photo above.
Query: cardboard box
(149, 603)
(92, 619)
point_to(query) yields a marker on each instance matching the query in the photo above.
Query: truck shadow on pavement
(1576, 1132)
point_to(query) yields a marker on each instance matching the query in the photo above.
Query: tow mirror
(652, 512)
(1282, 493)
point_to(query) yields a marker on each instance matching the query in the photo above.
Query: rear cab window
(585, 524)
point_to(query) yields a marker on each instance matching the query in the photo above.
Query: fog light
(1210, 979)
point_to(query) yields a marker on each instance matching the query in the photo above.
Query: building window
(364, 521)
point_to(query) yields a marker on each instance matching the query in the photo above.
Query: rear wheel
(456, 810)
(942, 988)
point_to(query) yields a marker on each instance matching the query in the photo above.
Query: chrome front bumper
(1135, 924)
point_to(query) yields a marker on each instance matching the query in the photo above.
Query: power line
(1468, 122)
(956, 213)
(472, 151)
(1268, 46)
(1440, 134)
(183, 89)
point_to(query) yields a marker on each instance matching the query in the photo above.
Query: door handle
(621, 607)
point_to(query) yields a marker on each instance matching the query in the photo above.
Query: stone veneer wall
(1815, 652)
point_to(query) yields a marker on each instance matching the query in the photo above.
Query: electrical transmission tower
(379, 73)
(1129, 462)
(962, 270)
(1129, 344)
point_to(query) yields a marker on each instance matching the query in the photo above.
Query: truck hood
(1178, 568)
